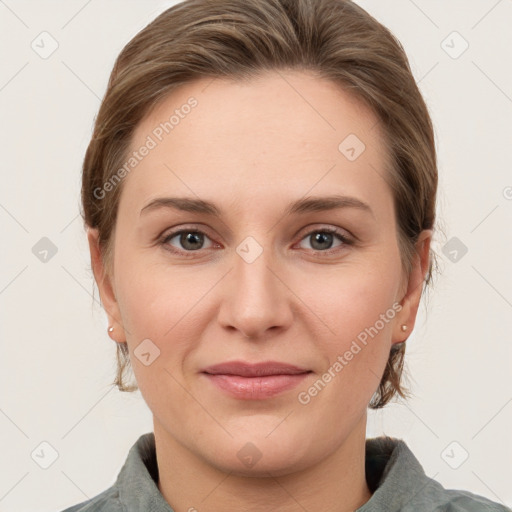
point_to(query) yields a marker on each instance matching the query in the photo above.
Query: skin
(252, 148)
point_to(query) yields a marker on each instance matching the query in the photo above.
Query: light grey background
(57, 361)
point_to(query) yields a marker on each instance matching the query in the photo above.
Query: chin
(262, 455)
(267, 466)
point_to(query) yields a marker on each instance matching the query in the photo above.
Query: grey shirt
(394, 476)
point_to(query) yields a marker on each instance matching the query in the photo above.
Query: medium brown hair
(237, 39)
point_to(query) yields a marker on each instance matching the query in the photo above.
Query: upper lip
(262, 369)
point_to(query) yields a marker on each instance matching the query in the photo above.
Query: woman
(259, 195)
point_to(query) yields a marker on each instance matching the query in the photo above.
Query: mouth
(255, 381)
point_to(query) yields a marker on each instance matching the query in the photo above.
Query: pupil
(188, 240)
(322, 237)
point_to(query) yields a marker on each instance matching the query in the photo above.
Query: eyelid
(313, 228)
(176, 230)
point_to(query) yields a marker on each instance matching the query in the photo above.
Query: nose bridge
(256, 299)
(252, 262)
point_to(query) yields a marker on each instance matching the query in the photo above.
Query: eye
(187, 240)
(322, 239)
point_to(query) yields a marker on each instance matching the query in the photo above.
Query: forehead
(277, 133)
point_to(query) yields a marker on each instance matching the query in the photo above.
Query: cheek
(359, 311)
(163, 305)
(154, 297)
(355, 298)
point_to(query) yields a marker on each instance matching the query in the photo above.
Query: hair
(239, 39)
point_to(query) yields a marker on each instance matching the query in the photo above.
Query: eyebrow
(302, 206)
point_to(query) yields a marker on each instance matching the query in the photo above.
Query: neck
(335, 484)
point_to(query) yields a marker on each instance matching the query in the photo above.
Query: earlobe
(105, 288)
(411, 300)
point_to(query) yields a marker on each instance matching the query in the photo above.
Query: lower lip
(256, 388)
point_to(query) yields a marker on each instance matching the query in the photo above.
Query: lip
(263, 369)
(255, 381)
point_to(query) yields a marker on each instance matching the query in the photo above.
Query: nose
(256, 299)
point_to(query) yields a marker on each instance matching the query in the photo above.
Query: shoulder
(135, 487)
(399, 483)
(455, 500)
(438, 498)
(107, 501)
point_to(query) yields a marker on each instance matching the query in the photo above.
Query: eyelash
(189, 254)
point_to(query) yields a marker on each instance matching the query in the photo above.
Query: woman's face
(259, 280)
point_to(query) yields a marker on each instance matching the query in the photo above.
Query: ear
(104, 282)
(411, 299)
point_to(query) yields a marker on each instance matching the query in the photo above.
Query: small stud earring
(404, 327)
(110, 329)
